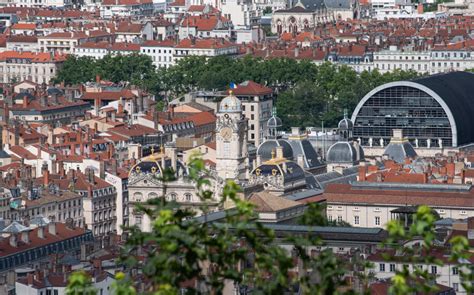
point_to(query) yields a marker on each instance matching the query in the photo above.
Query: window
(356, 219)
(382, 266)
(434, 269)
(392, 267)
(455, 271)
(463, 212)
(377, 220)
(330, 217)
(339, 218)
(188, 197)
(456, 287)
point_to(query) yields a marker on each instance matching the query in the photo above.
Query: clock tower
(231, 139)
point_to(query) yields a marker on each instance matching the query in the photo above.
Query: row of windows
(433, 269)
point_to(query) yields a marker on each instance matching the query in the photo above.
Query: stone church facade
(305, 15)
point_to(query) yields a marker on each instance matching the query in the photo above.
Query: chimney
(25, 237)
(295, 131)
(52, 228)
(45, 172)
(41, 232)
(25, 101)
(30, 279)
(101, 170)
(120, 106)
(420, 8)
(297, 51)
(13, 241)
(97, 264)
(279, 152)
(451, 168)
(363, 171)
(113, 166)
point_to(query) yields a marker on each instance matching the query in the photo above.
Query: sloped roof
(251, 88)
(267, 202)
(15, 227)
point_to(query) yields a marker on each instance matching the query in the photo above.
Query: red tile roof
(202, 23)
(126, 2)
(122, 46)
(108, 95)
(33, 56)
(156, 43)
(62, 233)
(205, 43)
(133, 130)
(24, 26)
(251, 88)
(345, 193)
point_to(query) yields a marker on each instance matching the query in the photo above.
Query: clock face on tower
(226, 133)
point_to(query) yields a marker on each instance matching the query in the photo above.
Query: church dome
(345, 124)
(146, 167)
(341, 152)
(274, 122)
(288, 170)
(230, 104)
(266, 148)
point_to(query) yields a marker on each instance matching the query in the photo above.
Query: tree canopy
(307, 93)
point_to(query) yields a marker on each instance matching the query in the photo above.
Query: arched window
(137, 197)
(152, 196)
(188, 197)
(172, 197)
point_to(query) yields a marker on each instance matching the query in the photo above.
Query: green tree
(77, 70)
(303, 105)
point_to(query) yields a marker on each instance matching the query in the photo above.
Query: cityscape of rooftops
(236, 147)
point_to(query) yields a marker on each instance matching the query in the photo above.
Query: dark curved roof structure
(457, 91)
(452, 92)
(265, 149)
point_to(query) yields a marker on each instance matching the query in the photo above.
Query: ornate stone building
(231, 140)
(144, 183)
(306, 14)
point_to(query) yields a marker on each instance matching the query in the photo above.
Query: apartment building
(204, 47)
(446, 275)
(167, 53)
(161, 52)
(257, 105)
(392, 59)
(32, 66)
(125, 8)
(22, 43)
(65, 42)
(99, 50)
(99, 203)
(367, 204)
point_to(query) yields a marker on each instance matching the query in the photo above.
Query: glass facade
(423, 120)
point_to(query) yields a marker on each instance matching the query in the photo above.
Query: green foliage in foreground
(246, 253)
